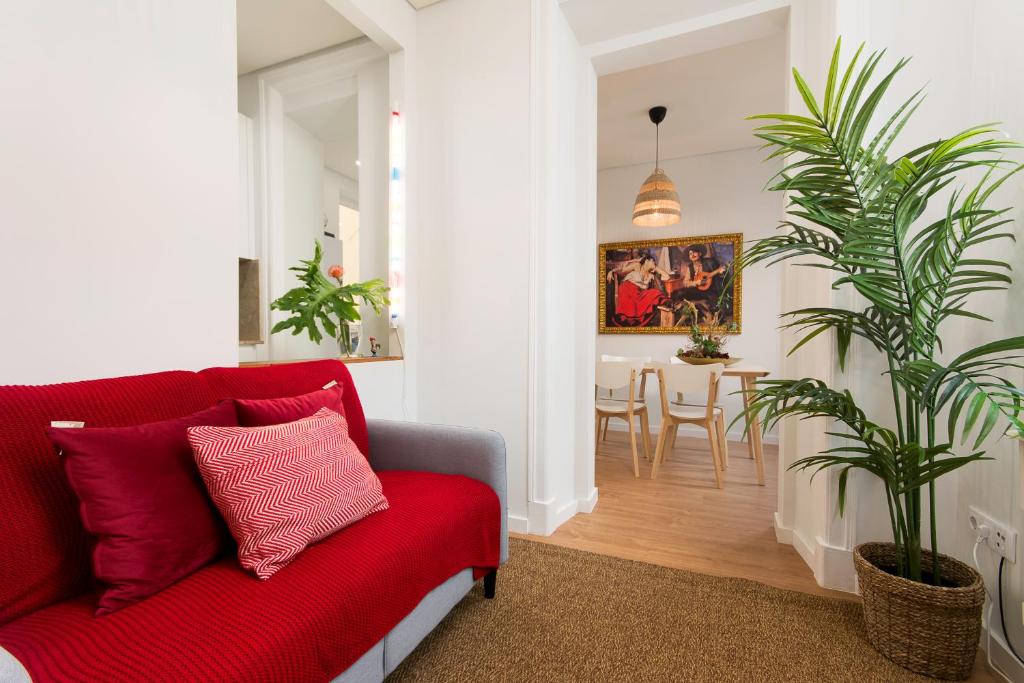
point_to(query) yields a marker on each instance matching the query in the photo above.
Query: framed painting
(667, 286)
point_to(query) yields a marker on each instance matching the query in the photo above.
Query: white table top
(741, 369)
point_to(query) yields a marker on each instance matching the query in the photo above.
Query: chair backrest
(637, 363)
(615, 375)
(683, 378)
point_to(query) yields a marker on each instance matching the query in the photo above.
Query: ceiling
(274, 31)
(420, 4)
(597, 20)
(708, 96)
(336, 124)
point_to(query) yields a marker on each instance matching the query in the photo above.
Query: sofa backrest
(292, 379)
(45, 556)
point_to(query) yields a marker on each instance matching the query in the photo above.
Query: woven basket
(930, 630)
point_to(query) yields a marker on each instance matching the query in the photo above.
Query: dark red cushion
(309, 622)
(261, 412)
(46, 550)
(292, 379)
(141, 496)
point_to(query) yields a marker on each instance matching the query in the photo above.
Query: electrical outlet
(1002, 540)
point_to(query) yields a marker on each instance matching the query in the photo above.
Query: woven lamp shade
(657, 204)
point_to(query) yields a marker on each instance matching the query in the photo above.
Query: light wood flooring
(681, 520)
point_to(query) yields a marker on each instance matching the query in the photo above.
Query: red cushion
(259, 412)
(292, 379)
(46, 550)
(141, 496)
(312, 621)
(283, 487)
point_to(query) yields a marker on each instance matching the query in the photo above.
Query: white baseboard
(1001, 656)
(587, 504)
(832, 565)
(804, 549)
(546, 516)
(783, 534)
(518, 524)
(696, 432)
(835, 567)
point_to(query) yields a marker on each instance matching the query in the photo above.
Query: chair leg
(670, 442)
(645, 434)
(714, 454)
(723, 441)
(490, 580)
(606, 421)
(632, 443)
(597, 433)
(659, 450)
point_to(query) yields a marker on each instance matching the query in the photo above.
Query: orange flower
(336, 271)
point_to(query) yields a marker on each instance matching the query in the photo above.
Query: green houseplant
(857, 210)
(319, 302)
(706, 346)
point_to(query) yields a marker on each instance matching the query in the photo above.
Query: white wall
(505, 115)
(374, 122)
(380, 389)
(118, 243)
(474, 217)
(719, 193)
(561, 478)
(303, 175)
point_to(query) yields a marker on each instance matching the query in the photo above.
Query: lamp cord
(657, 145)
(1002, 618)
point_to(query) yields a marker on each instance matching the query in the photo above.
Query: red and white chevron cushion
(283, 487)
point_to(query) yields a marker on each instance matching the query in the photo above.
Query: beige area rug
(568, 615)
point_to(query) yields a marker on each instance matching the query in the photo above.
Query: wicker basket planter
(930, 630)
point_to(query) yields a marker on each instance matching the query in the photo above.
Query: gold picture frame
(664, 286)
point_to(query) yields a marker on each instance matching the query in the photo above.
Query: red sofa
(349, 608)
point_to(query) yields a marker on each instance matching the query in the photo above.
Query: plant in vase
(857, 210)
(319, 302)
(705, 347)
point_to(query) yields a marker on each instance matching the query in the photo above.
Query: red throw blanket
(309, 622)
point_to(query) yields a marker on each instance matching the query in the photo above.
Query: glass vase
(348, 339)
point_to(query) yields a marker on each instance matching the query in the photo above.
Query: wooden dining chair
(638, 362)
(613, 376)
(681, 399)
(688, 379)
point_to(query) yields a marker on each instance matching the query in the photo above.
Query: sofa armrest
(475, 453)
(11, 670)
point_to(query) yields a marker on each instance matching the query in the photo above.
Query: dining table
(748, 374)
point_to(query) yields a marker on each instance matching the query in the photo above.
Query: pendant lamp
(657, 204)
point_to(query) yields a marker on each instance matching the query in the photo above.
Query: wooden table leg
(746, 403)
(753, 430)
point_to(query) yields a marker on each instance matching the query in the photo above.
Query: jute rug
(567, 615)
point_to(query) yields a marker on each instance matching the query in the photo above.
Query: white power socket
(1002, 540)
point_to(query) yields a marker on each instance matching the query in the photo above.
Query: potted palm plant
(319, 302)
(858, 210)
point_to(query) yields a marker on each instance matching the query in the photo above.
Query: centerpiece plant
(321, 302)
(858, 210)
(706, 346)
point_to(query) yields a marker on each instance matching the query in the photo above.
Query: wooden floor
(681, 520)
